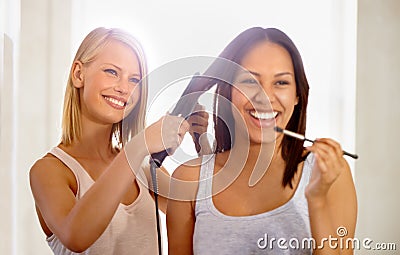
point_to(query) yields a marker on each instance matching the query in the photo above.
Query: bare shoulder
(47, 165)
(50, 168)
(188, 171)
(184, 181)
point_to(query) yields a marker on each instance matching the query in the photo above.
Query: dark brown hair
(292, 149)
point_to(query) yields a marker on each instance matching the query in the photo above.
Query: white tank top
(216, 233)
(132, 230)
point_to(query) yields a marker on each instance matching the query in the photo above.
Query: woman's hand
(331, 196)
(198, 122)
(329, 164)
(165, 134)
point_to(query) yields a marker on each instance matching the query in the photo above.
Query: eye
(281, 83)
(249, 81)
(111, 71)
(134, 80)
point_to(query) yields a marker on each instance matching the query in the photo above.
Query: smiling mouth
(115, 101)
(263, 115)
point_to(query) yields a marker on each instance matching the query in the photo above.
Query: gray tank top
(283, 230)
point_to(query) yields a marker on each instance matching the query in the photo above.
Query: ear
(297, 101)
(77, 74)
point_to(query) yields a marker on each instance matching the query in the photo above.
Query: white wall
(44, 53)
(9, 38)
(378, 122)
(35, 48)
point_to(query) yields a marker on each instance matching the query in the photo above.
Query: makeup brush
(302, 137)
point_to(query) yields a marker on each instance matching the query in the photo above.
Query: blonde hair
(134, 122)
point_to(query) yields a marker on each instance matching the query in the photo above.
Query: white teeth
(263, 115)
(115, 101)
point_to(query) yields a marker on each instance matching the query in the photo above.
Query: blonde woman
(88, 197)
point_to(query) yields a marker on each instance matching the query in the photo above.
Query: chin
(265, 135)
(115, 120)
(269, 139)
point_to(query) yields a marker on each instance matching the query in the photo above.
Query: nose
(122, 87)
(265, 95)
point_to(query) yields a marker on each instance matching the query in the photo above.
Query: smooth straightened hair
(235, 51)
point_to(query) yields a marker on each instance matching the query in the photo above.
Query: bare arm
(331, 199)
(180, 210)
(79, 223)
(163, 182)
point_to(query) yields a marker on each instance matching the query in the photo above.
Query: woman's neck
(253, 159)
(263, 152)
(94, 143)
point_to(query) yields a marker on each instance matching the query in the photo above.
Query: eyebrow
(119, 68)
(276, 75)
(283, 73)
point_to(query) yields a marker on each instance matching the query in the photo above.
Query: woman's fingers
(333, 144)
(166, 133)
(328, 163)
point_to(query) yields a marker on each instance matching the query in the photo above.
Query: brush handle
(308, 140)
(302, 137)
(355, 156)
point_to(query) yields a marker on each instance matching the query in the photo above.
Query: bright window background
(324, 32)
